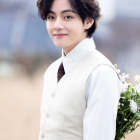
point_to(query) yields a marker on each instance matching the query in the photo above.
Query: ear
(88, 22)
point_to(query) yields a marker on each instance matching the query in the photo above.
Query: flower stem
(124, 110)
(122, 123)
(127, 124)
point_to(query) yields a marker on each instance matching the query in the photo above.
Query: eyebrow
(68, 10)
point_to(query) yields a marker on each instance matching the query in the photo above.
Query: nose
(58, 25)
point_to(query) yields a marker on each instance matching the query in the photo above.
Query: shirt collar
(77, 53)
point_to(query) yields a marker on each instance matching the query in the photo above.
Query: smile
(60, 35)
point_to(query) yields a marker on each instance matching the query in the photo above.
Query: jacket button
(42, 136)
(53, 95)
(47, 115)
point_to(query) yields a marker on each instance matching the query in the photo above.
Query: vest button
(42, 136)
(53, 95)
(47, 115)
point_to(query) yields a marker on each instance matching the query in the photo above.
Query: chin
(60, 45)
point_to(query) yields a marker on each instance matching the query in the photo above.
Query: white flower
(137, 88)
(125, 119)
(124, 87)
(137, 78)
(133, 106)
(123, 76)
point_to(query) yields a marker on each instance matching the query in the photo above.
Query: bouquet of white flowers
(129, 107)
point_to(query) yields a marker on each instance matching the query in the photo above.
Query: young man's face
(67, 23)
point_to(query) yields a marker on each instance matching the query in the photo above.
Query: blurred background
(26, 51)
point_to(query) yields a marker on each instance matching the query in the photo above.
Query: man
(82, 88)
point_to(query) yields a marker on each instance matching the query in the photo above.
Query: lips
(60, 35)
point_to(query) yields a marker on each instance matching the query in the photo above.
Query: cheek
(49, 28)
(76, 29)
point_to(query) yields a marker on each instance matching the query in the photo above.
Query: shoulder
(103, 73)
(102, 62)
(105, 70)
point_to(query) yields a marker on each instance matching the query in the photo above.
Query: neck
(68, 49)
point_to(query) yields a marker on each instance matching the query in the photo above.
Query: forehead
(59, 5)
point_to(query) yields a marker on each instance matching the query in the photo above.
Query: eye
(50, 17)
(68, 17)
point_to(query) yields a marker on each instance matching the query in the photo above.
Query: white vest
(65, 104)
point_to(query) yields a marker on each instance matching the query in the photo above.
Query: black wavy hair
(84, 8)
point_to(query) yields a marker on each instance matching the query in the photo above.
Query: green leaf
(138, 115)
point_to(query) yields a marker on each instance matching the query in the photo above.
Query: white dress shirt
(102, 94)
